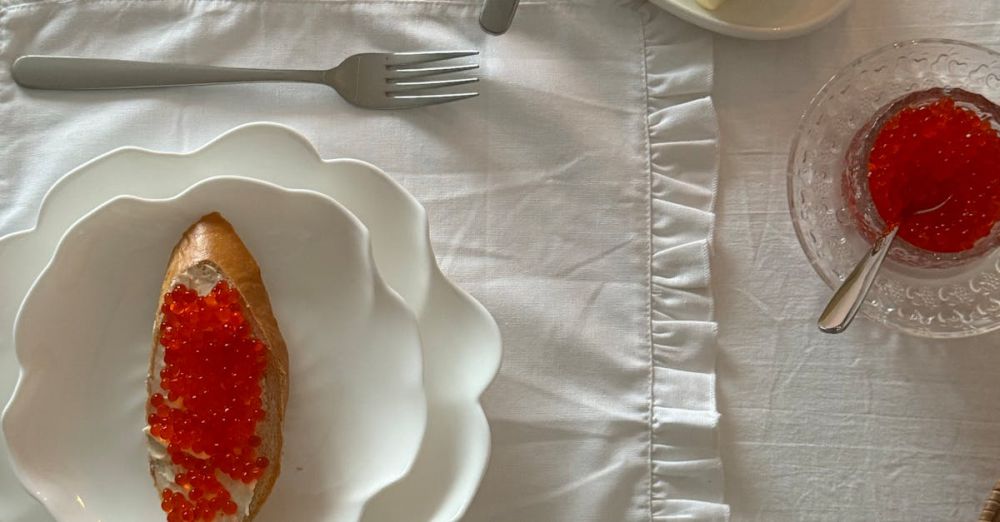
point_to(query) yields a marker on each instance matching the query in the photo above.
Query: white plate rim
(491, 357)
(704, 18)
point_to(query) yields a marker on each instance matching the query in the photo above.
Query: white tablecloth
(866, 426)
(573, 198)
(869, 425)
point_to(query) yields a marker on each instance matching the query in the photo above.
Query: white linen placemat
(573, 198)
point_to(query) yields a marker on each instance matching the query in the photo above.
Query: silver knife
(497, 15)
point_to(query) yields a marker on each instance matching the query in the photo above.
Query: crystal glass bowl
(916, 292)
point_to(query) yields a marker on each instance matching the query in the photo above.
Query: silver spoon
(847, 300)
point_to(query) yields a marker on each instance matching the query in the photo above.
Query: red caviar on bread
(218, 381)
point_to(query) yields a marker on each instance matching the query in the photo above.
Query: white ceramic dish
(461, 341)
(759, 19)
(356, 410)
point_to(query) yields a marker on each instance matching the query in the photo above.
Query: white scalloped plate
(356, 410)
(461, 341)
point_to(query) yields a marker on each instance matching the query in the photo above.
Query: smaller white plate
(759, 19)
(356, 411)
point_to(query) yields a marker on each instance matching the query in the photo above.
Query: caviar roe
(934, 153)
(213, 366)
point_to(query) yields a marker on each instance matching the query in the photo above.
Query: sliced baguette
(212, 244)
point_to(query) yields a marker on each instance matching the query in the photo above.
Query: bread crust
(212, 240)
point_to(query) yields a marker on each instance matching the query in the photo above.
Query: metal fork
(369, 80)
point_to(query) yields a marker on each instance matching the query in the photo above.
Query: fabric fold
(685, 468)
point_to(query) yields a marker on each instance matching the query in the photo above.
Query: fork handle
(66, 73)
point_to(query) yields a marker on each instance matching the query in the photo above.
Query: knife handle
(497, 15)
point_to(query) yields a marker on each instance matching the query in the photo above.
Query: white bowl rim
(706, 20)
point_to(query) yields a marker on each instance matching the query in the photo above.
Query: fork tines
(407, 75)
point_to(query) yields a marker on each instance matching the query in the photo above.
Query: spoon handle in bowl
(847, 300)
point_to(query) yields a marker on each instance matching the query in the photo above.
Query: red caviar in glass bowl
(929, 162)
(932, 284)
(210, 407)
(943, 156)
